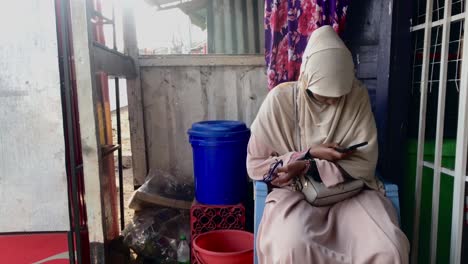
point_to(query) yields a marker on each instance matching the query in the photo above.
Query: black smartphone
(351, 148)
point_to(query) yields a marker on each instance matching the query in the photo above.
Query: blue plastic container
(219, 161)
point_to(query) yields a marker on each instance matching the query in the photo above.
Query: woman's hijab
(327, 65)
(290, 119)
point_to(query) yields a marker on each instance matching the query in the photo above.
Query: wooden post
(135, 102)
(89, 129)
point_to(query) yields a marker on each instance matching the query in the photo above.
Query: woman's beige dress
(362, 229)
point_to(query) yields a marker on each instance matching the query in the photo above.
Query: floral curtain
(288, 26)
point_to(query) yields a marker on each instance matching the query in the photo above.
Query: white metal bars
(422, 129)
(440, 129)
(460, 157)
(438, 22)
(462, 136)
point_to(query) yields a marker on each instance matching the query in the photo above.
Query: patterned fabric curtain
(288, 26)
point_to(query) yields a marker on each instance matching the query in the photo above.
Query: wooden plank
(201, 60)
(365, 58)
(399, 94)
(87, 96)
(33, 180)
(363, 22)
(176, 97)
(112, 62)
(135, 99)
(253, 92)
(383, 77)
(369, 24)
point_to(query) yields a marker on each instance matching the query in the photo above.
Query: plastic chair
(261, 192)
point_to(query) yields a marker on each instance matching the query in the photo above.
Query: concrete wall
(174, 97)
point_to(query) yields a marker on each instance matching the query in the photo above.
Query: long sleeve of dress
(260, 157)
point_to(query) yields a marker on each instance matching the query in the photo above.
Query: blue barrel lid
(218, 128)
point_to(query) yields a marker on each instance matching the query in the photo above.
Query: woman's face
(326, 100)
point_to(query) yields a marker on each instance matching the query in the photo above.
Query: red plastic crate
(204, 218)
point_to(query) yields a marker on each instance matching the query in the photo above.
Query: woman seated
(326, 108)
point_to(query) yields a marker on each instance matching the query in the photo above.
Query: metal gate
(439, 42)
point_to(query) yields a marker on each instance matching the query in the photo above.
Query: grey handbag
(315, 192)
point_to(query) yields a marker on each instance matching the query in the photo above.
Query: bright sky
(157, 29)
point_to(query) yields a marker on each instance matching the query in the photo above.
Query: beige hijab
(291, 120)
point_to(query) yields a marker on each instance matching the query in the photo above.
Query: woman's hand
(287, 173)
(327, 152)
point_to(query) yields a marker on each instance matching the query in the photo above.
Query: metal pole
(71, 244)
(119, 154)
(440, 128)
(67, 93)
(119, 131)
(422, 130)
(460, 156)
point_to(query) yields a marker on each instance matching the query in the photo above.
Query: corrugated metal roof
(167, 3)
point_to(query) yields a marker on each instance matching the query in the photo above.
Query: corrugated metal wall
(175, 97)
(235, 26)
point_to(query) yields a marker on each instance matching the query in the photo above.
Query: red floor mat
(34, 248)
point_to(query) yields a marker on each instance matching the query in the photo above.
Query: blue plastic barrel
(219, 161)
